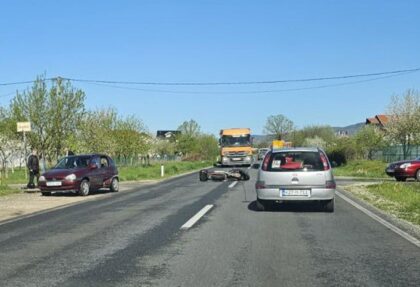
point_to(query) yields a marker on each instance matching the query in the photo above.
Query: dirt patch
(25, 203)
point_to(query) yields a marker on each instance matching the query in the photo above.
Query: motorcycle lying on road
(223, 175)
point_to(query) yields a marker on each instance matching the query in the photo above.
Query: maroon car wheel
(84, 188)
(418, 175)
(115, 186)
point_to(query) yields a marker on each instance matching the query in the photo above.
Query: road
(135, 239)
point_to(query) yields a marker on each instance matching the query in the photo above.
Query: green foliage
(190, 128)
(343, 149)
(404, 125)
(362, 168)
(193, 145)
(9, 139)
(367, 140)
(54, 114)
(325, 133)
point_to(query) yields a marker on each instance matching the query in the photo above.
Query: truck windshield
(243, 140)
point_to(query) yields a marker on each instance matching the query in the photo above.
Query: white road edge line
(387, 224)
(233, 184)
(196, 217)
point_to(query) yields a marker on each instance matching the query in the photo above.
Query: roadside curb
(364, 178)
(402, 224)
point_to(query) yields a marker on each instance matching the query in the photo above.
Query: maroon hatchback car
(402, 170)
(80, 174)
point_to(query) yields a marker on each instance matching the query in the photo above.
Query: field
(399, 199)
(362, 168)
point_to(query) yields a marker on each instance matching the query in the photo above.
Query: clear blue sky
(216, 41)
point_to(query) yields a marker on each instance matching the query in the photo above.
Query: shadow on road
(290, 207)
(71, 194)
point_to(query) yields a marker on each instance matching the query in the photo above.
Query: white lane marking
(197, 217)
(233, 184)
(387, 224)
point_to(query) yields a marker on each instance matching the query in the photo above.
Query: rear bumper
(314, 194)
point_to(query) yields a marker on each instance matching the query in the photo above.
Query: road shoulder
(404, 225)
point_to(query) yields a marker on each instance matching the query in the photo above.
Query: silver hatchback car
(295, 174)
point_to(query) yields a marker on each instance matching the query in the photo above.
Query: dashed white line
(233, 184)
(387, 224)
(197, 217)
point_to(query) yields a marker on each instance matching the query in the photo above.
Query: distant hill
(349, 130)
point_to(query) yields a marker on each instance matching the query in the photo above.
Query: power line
(24, 82)
(220, 83)
(250, 92)
(243, 83)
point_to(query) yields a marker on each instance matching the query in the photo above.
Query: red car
(402, 170)
(80, 174)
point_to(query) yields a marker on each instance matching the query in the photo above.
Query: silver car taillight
(260, 184)
(330, 184)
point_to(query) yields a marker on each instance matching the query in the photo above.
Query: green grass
(5, 190)
(18, 177)
(128, 173)
(362, 168)
(399, 199)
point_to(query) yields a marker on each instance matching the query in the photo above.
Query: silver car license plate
(294, 192)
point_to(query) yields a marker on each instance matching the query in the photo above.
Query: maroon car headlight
(70, 177)
(41, 178)
(405, 165)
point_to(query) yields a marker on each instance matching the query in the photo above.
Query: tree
(10, 144)
(131, 137)
(95, 132)
(404, 123)
(208, 148)
(279, 126)
(368, 139)
(315, 141)
(190, 128)
(54, 113)
(326, 133)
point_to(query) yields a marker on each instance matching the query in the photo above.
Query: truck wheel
(84, 187)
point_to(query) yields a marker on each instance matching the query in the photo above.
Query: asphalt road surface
(135, 239)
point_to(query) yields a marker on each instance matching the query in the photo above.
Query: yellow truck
(236, 147)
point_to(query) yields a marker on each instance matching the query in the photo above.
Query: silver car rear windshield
(295, 161)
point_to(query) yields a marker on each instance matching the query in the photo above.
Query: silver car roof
(294, 149)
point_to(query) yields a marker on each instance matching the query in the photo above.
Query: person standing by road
(68, 152)
(33, 167)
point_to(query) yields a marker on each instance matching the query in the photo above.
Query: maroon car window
(104, 162)
(72, 162)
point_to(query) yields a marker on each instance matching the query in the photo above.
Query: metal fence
(395, 153)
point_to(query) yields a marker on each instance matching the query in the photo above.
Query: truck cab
(236, 147)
